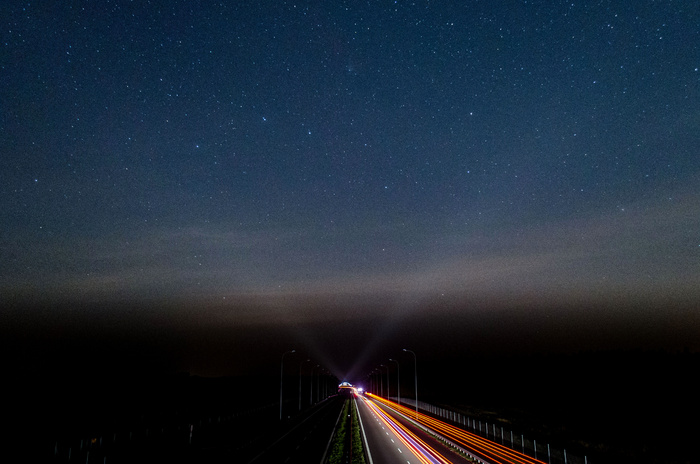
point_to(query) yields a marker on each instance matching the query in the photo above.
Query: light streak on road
(420, 449)
(487, 449)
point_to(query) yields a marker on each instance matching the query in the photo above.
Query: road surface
(391, 439)
(485, 450)
(306, 441)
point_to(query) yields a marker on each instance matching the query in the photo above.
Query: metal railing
(499, 434)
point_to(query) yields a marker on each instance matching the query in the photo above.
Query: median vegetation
(347, 441)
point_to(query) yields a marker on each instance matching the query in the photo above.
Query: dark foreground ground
(178, 418)
(69, 383)
(616, 406)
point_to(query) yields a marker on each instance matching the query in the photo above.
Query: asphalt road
(302, 439)
(392, 439)
(484, 449)
(306, 440)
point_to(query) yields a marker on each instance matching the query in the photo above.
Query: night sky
(351, 178)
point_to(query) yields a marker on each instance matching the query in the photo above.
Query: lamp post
(311, 385)
(387, 380)
(398, 381)
(301, 364)
(415, 370)
(281, 377)
(381, 382)
(318, 385)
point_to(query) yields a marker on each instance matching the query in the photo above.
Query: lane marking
(414, 444)
(462, 439)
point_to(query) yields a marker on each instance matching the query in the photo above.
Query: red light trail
(485, 449)
(424, 452)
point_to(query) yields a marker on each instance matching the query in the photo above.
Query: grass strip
(358, 456)
(338, 445)
(340, 439)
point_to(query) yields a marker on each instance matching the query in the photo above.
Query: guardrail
(499, 434)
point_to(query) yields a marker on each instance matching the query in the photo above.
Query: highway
(264, 439)
(391, 434)
(485, 450)
(306, 440)
(391, 439)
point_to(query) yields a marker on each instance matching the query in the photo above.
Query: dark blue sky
(490, 152)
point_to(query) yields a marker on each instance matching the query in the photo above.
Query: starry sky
(310, 162)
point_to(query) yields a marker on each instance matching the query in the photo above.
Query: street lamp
(321, 386)
(415, 370)
(381, 382)
(311, 385)
(387, 380)
(398, 381)
(281, 377)
(301, 364)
